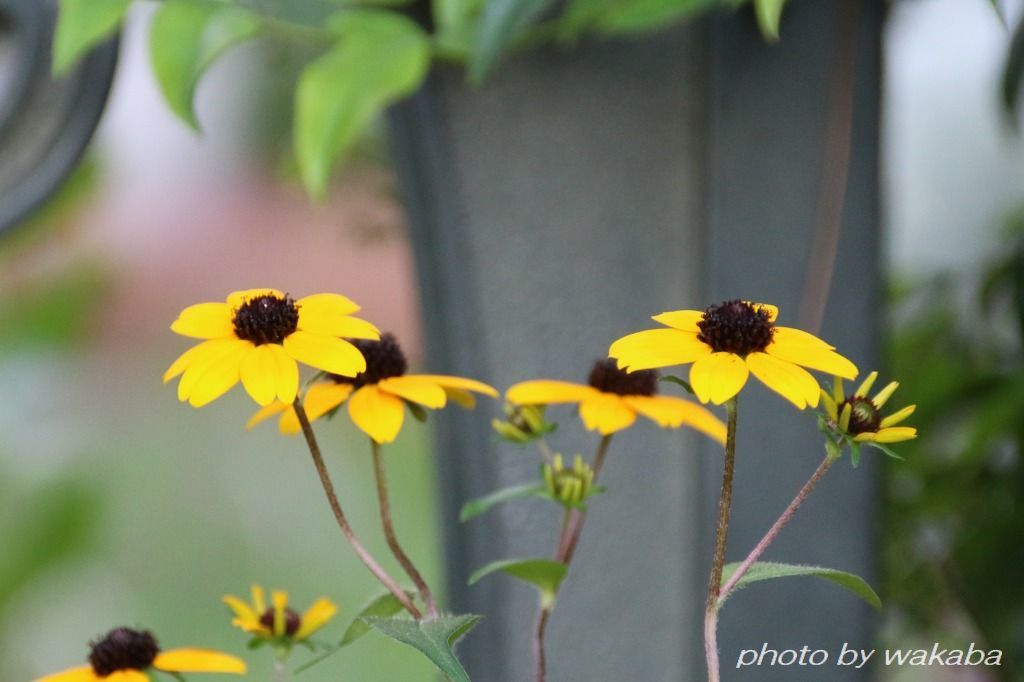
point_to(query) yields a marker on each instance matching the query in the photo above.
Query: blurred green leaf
(633, 16)
(502, 22)
(81, 25)
(767, 570)
(769, 14)
(379, 58)
(60, 313)
(544, 574)
(1013, 71)
(476, 507)
(186, 37)
(434, 638)
(455, 26)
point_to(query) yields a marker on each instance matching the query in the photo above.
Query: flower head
(377, 396)
(728, 342)
(522, 424)
(125, 655)
(258, 336)
(277, 622)
(858, 419)
(612, 398)
(569, 486)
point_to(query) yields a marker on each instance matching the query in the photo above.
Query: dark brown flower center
(266, 319)
(291, 621)
(864, 416)
(608, 378)
(736, 327)
(123, 649)
(384, 358)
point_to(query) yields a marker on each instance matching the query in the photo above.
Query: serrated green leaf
(768, 570)
(185, 38)
(379, 58)
(434, 638)
(81, 26)
(502, 22)
(544, 574)
(769, 15)
(476, 507)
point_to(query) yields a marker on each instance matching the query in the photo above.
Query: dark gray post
(556, 208)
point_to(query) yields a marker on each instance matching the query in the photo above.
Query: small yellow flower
(278, 621)
(860, 419)
(377, 396)
(258, 336)
(613, 398)
(125, 655)
(728, 342)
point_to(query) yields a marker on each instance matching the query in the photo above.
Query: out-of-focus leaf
(58, 314)
(1013, 72)
(544, 574)
(434, 638)
(379, 58)
(768, 570)
(634, 16)
(503, 21)
(476, 507)
(185, 38)
(769, 14)
(81, 26)
(455, 26)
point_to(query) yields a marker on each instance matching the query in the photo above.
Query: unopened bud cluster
(523, 424)
(570, 486)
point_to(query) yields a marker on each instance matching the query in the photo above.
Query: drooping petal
(460, 383)
(655, 348)
(896, 417)
(264, 413)
(238, 298)
(267, 372)
(315, 617)
(205, 321)
(793, 383)
(328, 353)
(461, 397)
(893, 434)
(544, 392)
(207, 382)
(813, 357)
(198, 661)
(672, 412)
(411, 387)
(197, 354)
(718, 377)
(377, 414)
(606, 413)
(684, 320)
(80, 674)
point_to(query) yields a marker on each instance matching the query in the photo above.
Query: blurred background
(94, 451)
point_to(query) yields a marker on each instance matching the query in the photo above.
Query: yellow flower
(613, 398)
(258, 336)
(859, 418)
(728, 342)
(124, 655)
(278, 621)
(377, 396)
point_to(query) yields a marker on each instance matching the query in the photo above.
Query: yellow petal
(198, 354)
(718, 377)
(315, 617)
(413, 388)
(672, 412)
(242, 610)
(268, 372)
(543, 392)
(862, 390)
(798, 337)
(830, 405)
(125, 676)
(322, 397)
(896, 417)
(793, 383)
(882, 397)
(80, 674)
(773, 311)
(328, 353)
(606, 413)
(320, 321)
(377, 414)
(813, 357)
(280, 599)
(837, 391)
(205, 321)
(684, 320)
(460, 383)
(461, 397)
(205, 383)
(654, 348)
(238, 298)
(844, 417)
(259, 600)
(198, 661)
(276, 407)
(893, 434)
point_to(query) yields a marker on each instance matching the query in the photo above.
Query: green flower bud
(569, 486)
(522, 424)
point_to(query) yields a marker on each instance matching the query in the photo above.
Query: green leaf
(185, 38)
(501, 24)
(670, 379)
(418, 412)
(855, 454)
(1013, 71)
(476, 507)
(544, 574)
(769, 14)
(889, 452)
(632, 16)
(767, 570)
(379, 58)
(81, 26)
(433, 638)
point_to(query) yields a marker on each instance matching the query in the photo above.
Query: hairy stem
(392, 538)
(722, 531)
(346, 529)
(538, 643)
